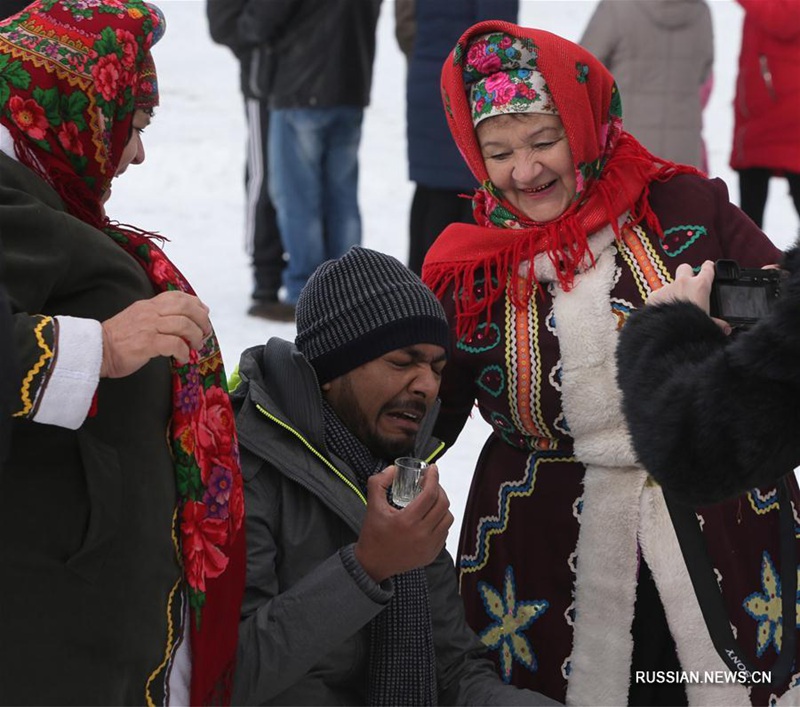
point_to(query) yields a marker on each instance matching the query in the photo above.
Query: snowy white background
(191, 190)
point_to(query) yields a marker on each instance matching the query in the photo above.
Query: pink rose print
(201, 537)
(107, 73)
(69, 137)
(216, 415)
(483, 62)
(162, 269)
(29, 116)
(502, 87)
(129, 48)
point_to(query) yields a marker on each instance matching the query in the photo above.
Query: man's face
(382, 402)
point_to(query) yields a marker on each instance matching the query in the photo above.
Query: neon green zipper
(311, 449)
(435, 452)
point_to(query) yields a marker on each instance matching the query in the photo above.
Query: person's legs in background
(753, 189)
(342, 217)
(432, 210)
(296, 148)
(794, 189)
(262, 236)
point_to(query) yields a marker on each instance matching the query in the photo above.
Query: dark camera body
(741, 296)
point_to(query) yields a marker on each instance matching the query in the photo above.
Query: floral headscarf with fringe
(613, 171)
(72, 74)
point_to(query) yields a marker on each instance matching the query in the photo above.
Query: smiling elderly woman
(569, 567)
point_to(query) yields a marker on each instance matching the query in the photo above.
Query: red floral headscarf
(72, 73)
(613, 171)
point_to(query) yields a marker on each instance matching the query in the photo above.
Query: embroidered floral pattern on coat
(511, 617)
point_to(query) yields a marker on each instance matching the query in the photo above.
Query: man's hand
(169, 324)
(393, 541)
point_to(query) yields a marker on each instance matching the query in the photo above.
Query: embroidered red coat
(559, 512)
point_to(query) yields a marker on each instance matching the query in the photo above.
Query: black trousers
(753, 189)
(431, 211)
(262, 236)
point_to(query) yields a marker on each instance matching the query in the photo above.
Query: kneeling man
(348, 599)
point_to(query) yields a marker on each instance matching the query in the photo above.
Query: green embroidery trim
(494, 392)
(491, 332)
(698, 232)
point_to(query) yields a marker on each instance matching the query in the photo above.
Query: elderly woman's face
(528, 158)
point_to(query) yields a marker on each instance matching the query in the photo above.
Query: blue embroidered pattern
(496, 524)
(511, 617)
(765, 607)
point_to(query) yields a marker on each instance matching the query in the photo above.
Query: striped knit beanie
(355, 309)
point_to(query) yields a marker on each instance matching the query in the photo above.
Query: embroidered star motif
(765, 607)
(512, 617)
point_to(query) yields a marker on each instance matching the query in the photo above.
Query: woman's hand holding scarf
(170, 324)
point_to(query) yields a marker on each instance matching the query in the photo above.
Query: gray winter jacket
(303, 637)
(660, 53)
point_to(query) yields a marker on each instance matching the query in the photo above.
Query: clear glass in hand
(406, 484)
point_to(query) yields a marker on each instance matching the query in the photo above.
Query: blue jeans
(313, 179)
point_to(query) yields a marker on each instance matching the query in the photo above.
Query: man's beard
(381, 447)
(388, 450)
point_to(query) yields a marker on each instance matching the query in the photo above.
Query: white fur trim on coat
(619, 510)
(685, 619)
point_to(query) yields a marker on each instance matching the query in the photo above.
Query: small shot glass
(406, 485)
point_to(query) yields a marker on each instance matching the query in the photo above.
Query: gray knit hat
(355, 309)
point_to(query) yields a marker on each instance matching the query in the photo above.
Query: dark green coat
(87, 551)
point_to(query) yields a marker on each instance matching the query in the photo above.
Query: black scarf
(402, 659)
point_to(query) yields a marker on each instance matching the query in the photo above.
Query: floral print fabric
(72, 72)
(501, 73)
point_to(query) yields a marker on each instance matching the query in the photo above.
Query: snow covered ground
(190, 189)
